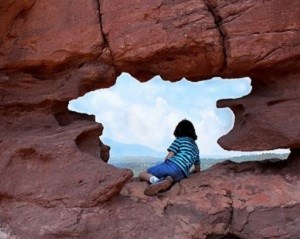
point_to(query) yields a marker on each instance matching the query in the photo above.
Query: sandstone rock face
(49, 155)
(9, 11)
(270, 111)
(201, 39)
(258, 34)
(149, 38)
(54, 179)
(227, 201)
(204, 38)
(49, 38)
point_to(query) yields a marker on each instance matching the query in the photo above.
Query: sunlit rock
(54, 179)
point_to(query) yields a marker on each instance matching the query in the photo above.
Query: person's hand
(197, 169)
(170, 155)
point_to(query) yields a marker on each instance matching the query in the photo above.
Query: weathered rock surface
(259, 34)
(208, 38)
(149, 38)
(230, 200)
(49, 155)
(198, 39)
(54, 179)
(9, 11)
(272, 110)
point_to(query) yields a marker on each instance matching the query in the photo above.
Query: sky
(147, 113)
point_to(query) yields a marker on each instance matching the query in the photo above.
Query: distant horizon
(159, 154)
(139, 164)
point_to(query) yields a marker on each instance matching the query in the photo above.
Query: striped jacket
(186, 153)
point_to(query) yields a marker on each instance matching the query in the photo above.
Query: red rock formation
(54, 181)
(149, 38)
(197, 40)
(227, 201)
(267, 118)
(50, 156)
(205, 38)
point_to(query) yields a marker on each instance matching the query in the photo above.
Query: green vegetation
(138, 164)
(257, 157)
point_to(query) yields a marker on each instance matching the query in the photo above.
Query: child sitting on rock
(183, 154)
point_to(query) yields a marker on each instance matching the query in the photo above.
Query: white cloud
(208, 127)
(106, 97)
(145, 124)
(147, 113)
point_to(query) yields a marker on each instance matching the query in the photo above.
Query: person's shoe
(160, 186)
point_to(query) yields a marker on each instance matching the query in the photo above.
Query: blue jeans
(167, 168)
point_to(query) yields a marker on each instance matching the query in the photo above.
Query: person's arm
(169, 155)
(173, 149)
(197, 168)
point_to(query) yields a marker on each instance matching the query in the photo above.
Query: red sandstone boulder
(229, 200)
(54, 181)
(258, 34)
(52, 36)
(205, 38)
(149, 38)
(268, 118)
(50, 55)
(9, 10)
(54, 166)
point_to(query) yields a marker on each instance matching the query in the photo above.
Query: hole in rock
(139, 118)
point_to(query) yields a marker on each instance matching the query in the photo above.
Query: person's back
(183, 154)
(186, 153)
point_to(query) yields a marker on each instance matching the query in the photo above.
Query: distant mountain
(131, 150)
(121, 150)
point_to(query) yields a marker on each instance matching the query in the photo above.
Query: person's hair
(185, 128)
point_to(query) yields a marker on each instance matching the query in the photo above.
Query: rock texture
(49, 155)
(208, 38)
(205, 38)
(229, 200)
(270, 111)
(54, 179)
(149, 38)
